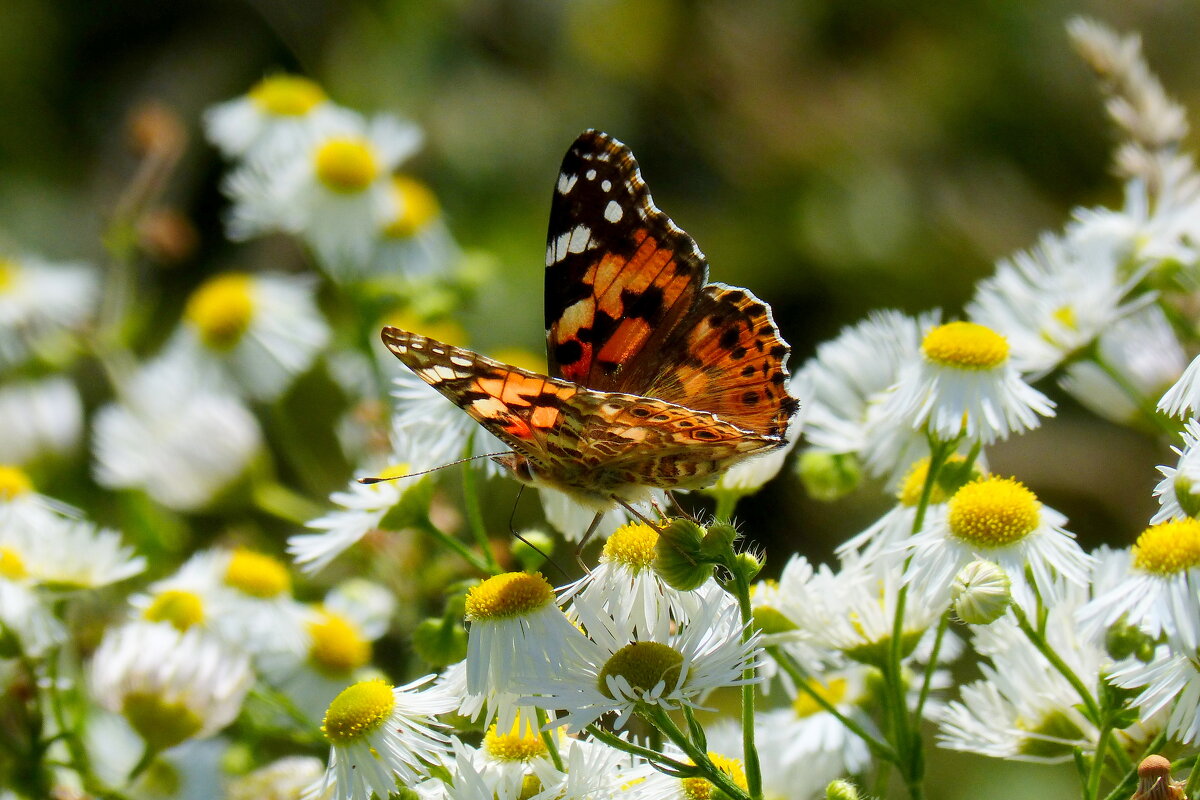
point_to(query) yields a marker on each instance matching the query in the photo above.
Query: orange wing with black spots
(629, 309)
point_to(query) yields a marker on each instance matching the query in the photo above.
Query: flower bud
(681, 561)
(981, 593)
(1123, 640)
(841, 790)
(440, 642)
(828, 476)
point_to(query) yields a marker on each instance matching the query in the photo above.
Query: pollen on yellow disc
(965, 345)
(287, 95)
(221, 309)
(993, 512)
(359, 710)
(12, 566)
(1168, 548)
(181, 608)
(513, 746)
(13, 482)
(633, 544)
(509, 595)
(834, 692)
(337, 647)
(416, 206)
(257, 574)
(346, 165)
(703, 789)
(9, 270)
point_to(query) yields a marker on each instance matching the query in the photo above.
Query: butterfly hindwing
(620, 275)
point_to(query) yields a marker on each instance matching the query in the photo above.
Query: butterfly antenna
(369, 481)
(513, 530)
(588, 535)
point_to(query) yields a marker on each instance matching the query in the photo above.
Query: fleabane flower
(965, 386)
(39, 419)
(1178, 492)
(287, 778)
(362, 509)
(1170, 683)
(60, 552)
(611, 671)
(276, 116)
(646, 783)
(1160, 588)
(257, 331)
(1183, 397)
(39, 300)
(174, 437)
(998, 520)
(517, 631)
(334, 191)
(171, 686)
(414, 237)
(382, 737)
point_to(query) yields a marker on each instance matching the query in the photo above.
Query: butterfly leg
(587, 535)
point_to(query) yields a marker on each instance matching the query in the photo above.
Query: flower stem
(653, 756)
(549, 740)
(699, 757)
(475, 518)
(1144, 404)
(931, 666)
(426, 525)
(749, 748)
(1039, 641)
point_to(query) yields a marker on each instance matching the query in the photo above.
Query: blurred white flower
(40, 300)
(39, 419)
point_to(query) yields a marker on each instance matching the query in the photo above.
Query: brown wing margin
(620, 275)
(730, 361)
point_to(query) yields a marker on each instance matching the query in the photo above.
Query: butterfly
(657, 379)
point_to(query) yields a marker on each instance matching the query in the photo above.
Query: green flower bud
(828, 476)
(841, 790)
(981, 593)
(1123, 640)
(681, 561)
(440, 642)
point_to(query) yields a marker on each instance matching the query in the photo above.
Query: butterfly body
(658, 379)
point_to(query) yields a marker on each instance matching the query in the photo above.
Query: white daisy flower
(517, 631)
(430, 431)
(413, 238)
(368, 605)
(1170, 683)
(612, 671)
(1051, 302)
(39, 419)
(39, 300)
(1143, 350)
(63, 553)
(170, 686)
(846, 383)
(361, 511)
(592, 771)
(502, 709)
(644, 782)
(382, 737)
(965, 386)
(336, 192)
(274, 118)
(259, 330)
(252, 604)
(1183, 397)
(997, 520)
(173, 437)
(1160, 586)
(22, 612)
(1178, 492)
(287, 778)
(511, 763)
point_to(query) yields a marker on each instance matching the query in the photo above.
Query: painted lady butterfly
(658, 379)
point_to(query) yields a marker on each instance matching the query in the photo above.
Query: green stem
(881, 749)
(1127, 784)
(1192, 786)
(1148, 408)
(148, 756)
(549, 740)
(426, 525)
(653, 756)
(283, 503)
(726, 504)
(700, 758)
(749, 748)
(931, 666)
(1039, 641)
(1092, 792)
(475, 517)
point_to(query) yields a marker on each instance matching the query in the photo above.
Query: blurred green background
(832, 156)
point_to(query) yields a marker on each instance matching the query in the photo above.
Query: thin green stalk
(1125, 787)
(1193, 782)
(662, 720)
(475, 518)
(726, 504)
(283, 503)
(549, 740)
(1039, 641)
(1147, 406)
(749, 748)
(653, 756)
(1092, 790)
(148, 756)
(931, 666)
(881, 749)
(426, 525)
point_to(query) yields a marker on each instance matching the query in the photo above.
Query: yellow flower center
(257, 574)
(965, 345)
(993, 512)
(643, 664)
(221, 310)
(9, 270)
(346, 165)
(12, 566)
(358, 711)
(416, 207)
(181, 609)
(160, 722)
(287, 95)
(702, 788)
(632, 545)
(834, 692)
(13, 482)
(1168, 548)
(513, 746)
(337, 648)
(512, 594)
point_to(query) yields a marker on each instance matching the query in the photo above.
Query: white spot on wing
(566, 183)
(461, 361)
(613, 211)
(560, 247)
(580, 236)
(591, 175)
